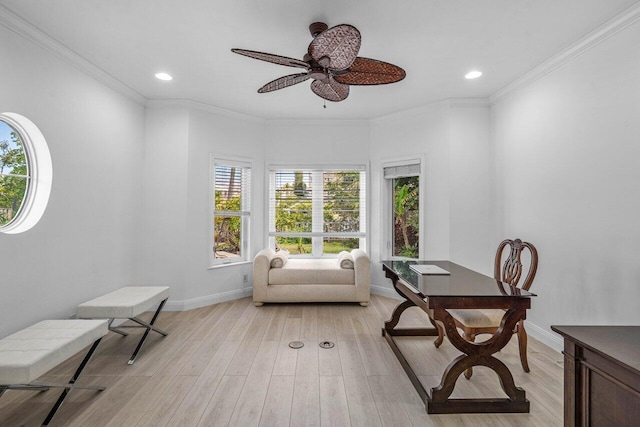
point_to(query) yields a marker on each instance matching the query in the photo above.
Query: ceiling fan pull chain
(325, 104)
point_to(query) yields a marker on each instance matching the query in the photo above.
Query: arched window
(25, 173)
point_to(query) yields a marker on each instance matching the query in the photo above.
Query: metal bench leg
(116, 330)
(58, 403)
(148, 327)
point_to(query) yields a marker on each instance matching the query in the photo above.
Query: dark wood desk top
(620, 344)
(462, 282)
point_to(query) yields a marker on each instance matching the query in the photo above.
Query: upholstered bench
(278, 278)
(29, 353)
(127, 303)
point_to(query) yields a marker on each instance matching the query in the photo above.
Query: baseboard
(190, 304)
(384, 291)
(544, 336)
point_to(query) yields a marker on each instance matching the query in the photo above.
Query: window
(25, 173)
(231, 211)
(316, 212)
(403, 197)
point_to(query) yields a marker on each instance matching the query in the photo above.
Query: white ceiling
(435, 41)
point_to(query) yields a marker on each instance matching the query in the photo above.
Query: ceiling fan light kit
(332, 62)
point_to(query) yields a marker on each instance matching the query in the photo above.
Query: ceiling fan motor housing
(317, 27)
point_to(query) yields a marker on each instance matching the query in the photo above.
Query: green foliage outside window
(406, 217)
(227, 228)
(341, 212)
(13, 161)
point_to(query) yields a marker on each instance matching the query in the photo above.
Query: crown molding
(22, 28)
(319, 122)
(191, 104)
(623, 20)
(410, 112)
(469, 102)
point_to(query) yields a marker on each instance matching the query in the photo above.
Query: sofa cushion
(279, 259)
(311, 272)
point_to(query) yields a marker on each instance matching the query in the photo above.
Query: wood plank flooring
(230, 365)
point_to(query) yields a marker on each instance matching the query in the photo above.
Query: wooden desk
(601, 375)
(463, 288)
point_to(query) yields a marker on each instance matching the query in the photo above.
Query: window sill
(229, 264)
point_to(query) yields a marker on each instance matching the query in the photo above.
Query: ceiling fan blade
(340, 44)
(331, 91)
(269, 57)
(365, 71)
(283, 82)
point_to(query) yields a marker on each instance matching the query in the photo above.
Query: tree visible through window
(231, 212)
(14, 174)
(316, 212)
(406, 216)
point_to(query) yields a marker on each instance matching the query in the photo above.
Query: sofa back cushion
(311, 272)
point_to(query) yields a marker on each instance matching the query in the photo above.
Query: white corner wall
(85, 243)
(454, 139)
(567, 179)
(180, 138)
(471, 220)
(420, 132)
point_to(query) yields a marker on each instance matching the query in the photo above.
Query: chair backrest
(511, 271)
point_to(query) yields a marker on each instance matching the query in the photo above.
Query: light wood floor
(230, 364)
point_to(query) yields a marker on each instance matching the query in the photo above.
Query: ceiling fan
(332, 63)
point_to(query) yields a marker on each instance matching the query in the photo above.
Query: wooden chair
(475, 322)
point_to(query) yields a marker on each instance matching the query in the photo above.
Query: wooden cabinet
(601, 375)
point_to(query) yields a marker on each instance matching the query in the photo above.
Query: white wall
(230, 136)
(317, 142)
(164, 216)
(85, 243)
(567, 180)
(420, 132)
(180, 138)
(471, 220)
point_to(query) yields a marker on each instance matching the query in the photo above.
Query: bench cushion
(123, 303)
(29, 353)
(311, 272)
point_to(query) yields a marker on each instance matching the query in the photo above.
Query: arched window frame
(40, 171)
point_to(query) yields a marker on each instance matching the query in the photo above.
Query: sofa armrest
(261, 266)
(362, 270)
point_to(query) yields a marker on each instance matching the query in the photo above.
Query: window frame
(387, 198)
(245, 215)
(39, 171)
(317, 234)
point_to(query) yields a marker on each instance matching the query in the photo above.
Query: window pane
(293, 201)
(341, 202)
(406, 217)
(294, 245)
(333, 245)
(228, 188)
(227, 236)
(13, 161)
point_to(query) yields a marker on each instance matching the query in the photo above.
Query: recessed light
(472, 75)
(163, 76)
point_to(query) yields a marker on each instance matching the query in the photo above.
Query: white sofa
(311, 280)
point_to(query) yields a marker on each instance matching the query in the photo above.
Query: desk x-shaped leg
(475, 354)
(478, 354)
